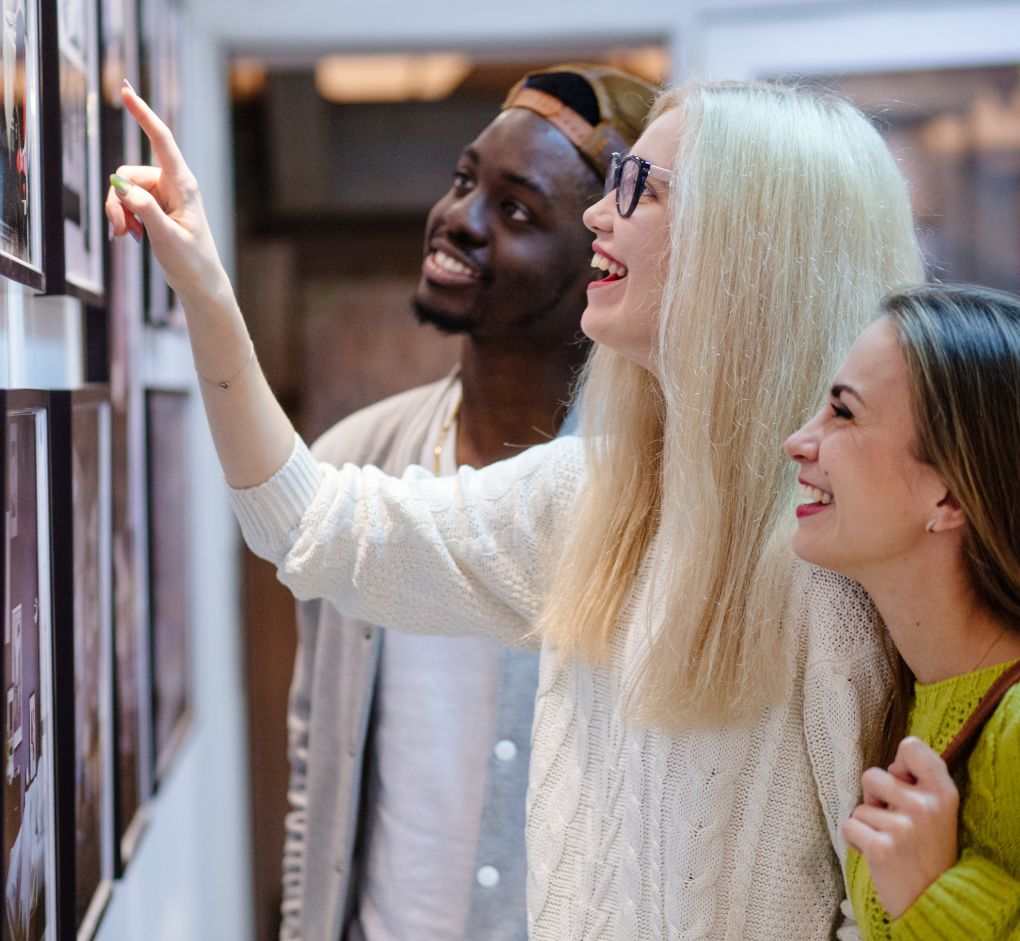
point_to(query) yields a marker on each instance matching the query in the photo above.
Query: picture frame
(21, 178)
(160, 49)
(80, 444)
(166, 412)
(121, 144)
(29, 859)
(74, 233)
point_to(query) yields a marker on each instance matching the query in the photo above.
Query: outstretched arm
(253, 436)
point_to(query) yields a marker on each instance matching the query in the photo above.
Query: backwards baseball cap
(598, 108)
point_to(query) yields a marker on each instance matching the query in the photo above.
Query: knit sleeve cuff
(975, 900)
(270, 512)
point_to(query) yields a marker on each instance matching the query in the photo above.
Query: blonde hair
(788, 222)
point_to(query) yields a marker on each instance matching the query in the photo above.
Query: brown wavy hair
(962, 348)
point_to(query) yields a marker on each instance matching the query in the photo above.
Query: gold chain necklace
(989, 649)
(437, 451)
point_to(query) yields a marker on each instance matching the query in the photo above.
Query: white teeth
(814, 495)
(447, 263)
(604, 264)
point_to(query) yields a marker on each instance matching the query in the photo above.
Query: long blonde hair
(788, 221)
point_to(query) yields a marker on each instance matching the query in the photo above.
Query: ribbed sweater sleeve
(978, 899)
(470, 553)
(975, 900)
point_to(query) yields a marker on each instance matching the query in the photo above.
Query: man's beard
(443, 322)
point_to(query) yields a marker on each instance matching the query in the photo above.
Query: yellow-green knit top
(978, 899)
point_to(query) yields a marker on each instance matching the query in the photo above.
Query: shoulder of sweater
(836, 615)
(1003, 730)
(370, 431)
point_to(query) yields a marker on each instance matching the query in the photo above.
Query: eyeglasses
(627, 175)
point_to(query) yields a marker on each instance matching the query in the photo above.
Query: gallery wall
(187, 874)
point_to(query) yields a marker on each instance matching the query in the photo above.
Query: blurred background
(321, 134)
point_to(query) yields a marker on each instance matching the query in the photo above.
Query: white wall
(190, 878)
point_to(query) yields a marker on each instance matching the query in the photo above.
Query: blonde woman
(697, 726)
(915, 458)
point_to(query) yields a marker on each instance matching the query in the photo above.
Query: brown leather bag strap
(957, 750)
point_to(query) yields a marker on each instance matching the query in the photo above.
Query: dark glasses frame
(614, 174)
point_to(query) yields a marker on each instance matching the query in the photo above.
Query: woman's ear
(948, 514)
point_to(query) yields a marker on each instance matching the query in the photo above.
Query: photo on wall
(82, 577)
(160, 49)
(20, 170)
(29, 870)
(167, 447)
(75, 236)
(121, 144)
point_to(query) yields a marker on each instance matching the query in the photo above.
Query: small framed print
(125, 305)
(83, 621)
(161, 48)
(21, 205)
(166, 414)
(30, 903)
(75, 237)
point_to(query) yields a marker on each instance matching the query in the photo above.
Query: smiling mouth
(445, 269)
(614, 271)
(812, 500)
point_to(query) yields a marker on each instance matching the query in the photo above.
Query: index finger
(164, 147)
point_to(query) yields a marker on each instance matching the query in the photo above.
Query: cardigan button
(488, 877)
(505, 750)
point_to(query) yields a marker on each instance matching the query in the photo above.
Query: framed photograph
(30, 899)
(121, 142)
(21, 207)
(167, 456)
(75, 236)
(83, 621)
(160, 51)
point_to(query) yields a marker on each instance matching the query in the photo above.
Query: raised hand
(906, 827)
(165, 201)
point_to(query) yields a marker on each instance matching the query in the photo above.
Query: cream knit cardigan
(631, 833)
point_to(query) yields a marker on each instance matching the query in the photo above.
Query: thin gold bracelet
(225, 384)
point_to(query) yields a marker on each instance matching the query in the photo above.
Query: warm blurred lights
(247, 78)
(990, 125)
(648, 62)
(362, 78)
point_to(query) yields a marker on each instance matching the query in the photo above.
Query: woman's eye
(840, 410)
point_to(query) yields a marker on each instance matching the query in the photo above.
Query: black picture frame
(73, 217)
(167, 451)
(29, 857)
(80, 447)
(21, 178)
(121, 140)
(161, 37)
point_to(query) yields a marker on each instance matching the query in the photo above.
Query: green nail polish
(121, 185)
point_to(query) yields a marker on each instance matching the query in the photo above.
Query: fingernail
(130, 88)
(122, 186)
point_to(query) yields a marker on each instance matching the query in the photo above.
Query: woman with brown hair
(910, 488)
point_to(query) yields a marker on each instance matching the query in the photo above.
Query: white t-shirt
(432, 735)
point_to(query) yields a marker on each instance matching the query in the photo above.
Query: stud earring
(929, 527)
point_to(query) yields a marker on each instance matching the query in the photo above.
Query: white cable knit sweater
(632, 833)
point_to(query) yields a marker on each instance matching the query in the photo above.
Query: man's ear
(949, 514)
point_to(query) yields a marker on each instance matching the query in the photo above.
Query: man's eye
(516, 212)
(840, 410)
(461, 181)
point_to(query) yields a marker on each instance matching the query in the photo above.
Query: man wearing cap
(409, 754)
